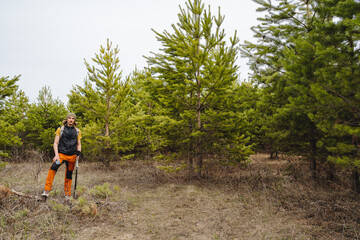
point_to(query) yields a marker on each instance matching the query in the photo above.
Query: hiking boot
(45, 194)
(67, 197)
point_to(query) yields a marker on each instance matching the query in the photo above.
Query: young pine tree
(193, 77)
(16, 113)
(285, 86)
(8, 135)
(337, 85)
(43, 118)
(99, 102)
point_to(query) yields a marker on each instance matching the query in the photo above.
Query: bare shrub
(36, 159)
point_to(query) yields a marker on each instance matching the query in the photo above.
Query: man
(67, 148)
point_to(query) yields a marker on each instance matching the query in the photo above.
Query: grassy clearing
(268, 199)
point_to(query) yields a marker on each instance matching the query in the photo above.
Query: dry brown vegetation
(268, 199)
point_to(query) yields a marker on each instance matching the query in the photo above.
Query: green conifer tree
(8, 136)
(286, 95)
(336, 89)
(7, 88)
(43, 118)
(99, 102)
(16, 111)
(147, 117)
(194, 75)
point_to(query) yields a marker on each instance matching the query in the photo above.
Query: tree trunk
(107, 119)
(23, 149)
(331, 171)
(198, 147)
(198, 109)
(191, 157)
(200, 164)
(355, 173)
(107, 133)
(148, 149)
(106, 158)
(273, 154)
(191, 163)
(313, 158)
(355, 181)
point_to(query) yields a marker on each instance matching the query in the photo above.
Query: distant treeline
(303, 96)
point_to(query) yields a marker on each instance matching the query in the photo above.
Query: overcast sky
(46, 41)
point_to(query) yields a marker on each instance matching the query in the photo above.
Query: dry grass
(268, 199)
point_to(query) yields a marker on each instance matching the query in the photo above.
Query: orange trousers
(70, 165)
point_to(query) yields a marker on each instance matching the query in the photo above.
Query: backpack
(62, 130)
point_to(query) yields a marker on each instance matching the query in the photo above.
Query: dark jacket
(68, 141)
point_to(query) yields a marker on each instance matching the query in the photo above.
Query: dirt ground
(267, 199)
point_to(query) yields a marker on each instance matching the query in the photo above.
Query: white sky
(46, 41)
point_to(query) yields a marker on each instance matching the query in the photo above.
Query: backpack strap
(61, 130)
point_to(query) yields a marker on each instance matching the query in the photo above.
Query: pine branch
(346, 100)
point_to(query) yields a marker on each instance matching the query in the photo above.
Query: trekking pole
(76, 173)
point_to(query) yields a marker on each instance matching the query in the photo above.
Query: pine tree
(43, 118)
(286, 92)
(147, 117)
(320, 77)
(8, 136)
(300, 65)
(100, 99)
(194, 75)
(16, 111)
(337, 84)
(7, 88)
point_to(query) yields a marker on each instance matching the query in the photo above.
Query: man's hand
(78, 153)
(56, 158)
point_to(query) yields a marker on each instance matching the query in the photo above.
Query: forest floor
(267, 199)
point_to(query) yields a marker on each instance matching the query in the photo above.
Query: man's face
(70, 120)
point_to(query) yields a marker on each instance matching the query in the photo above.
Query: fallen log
(6, 192)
